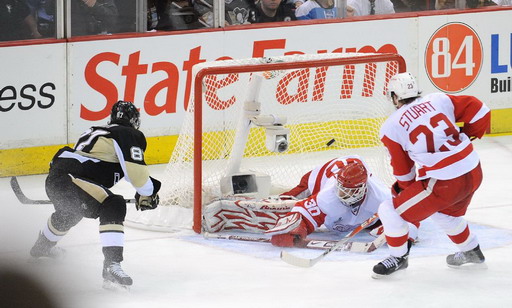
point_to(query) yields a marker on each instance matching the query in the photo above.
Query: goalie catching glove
(289, 231)
(143, 203)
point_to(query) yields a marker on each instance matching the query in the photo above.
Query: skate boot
(45, 249)
(392, 264)
(467, 259)
(114, 278)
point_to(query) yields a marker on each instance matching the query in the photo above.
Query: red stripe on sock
(461, 237)
(397, 241)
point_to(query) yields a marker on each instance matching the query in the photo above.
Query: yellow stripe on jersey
(138, 174)
(96, 191)
(111, 228)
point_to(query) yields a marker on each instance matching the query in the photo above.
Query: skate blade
(394, 275)
(469, 266)
(116, 287)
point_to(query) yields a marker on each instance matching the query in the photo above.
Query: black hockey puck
(331, 141)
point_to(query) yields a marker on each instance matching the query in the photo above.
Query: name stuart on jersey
(414, 112)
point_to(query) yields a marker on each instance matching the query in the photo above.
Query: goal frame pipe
(260, 67)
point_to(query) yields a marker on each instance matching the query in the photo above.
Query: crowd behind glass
(37, 19)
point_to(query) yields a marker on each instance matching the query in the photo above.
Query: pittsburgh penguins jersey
(106, 154)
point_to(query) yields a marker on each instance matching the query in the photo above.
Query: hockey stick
(25, 200)
(21, 196)
(308, 243)
(304, 262)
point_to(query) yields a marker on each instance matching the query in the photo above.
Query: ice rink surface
(182, 269)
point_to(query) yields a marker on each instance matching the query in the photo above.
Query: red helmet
(352, 179)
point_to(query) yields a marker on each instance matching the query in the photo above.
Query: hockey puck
(331, 141)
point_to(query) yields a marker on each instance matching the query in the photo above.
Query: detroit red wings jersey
(425, 142)
(325, 208)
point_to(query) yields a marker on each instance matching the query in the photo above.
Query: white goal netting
(334, 105)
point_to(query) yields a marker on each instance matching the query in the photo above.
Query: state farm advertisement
(156, 72)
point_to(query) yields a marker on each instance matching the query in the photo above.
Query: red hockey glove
(290, 239)
(288, 231)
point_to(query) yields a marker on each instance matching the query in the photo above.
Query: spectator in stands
(172, 15)
(43, 12)
(16, 22)
(90, 17)
(237, 12)
(316, 9)
(369, 7)
(445, 4)
(152, 14)
(451, 4)
(418, 5)
(295, 3)
(273, 10)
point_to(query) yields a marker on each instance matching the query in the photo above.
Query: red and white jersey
(424, 141)
(325, 208)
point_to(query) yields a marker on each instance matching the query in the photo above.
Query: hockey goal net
(254, 127)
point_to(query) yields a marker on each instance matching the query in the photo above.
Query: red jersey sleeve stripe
(448, 160)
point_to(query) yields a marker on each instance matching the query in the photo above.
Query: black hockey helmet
(125, 113)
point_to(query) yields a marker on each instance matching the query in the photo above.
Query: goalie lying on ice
(341, 194)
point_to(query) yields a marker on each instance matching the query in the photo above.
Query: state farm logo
(453, 57)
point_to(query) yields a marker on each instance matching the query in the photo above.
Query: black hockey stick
(25, 200)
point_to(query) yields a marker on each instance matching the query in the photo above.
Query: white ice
(182, 269)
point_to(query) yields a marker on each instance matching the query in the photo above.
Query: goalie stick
(305, 262)
(308, 243)
(15, 185)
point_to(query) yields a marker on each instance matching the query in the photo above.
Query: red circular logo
(453, 57)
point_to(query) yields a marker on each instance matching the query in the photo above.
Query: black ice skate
(392, 264)
(114, 278)
(45, 249)
(467, 259)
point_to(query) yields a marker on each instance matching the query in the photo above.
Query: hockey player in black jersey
(78, 185)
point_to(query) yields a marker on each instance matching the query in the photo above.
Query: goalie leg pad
(253, 215)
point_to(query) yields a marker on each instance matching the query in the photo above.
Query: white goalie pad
(251, 215)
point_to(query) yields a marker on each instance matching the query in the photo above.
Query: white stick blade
(296, 261)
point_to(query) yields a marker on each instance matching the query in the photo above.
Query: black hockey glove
(395, 189)
(143, 203)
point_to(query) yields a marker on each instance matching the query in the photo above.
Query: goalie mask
(351, 183)
(125, 113)
(403, 85)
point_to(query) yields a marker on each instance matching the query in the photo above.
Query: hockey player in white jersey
(341, 194)
(436, 168)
